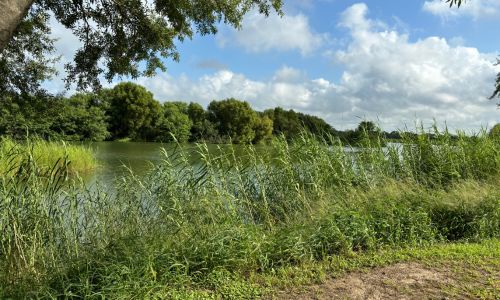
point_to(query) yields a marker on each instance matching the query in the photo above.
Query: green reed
(185, 227)
(46, 154)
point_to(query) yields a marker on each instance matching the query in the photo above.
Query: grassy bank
(213, 229)
(45, 155)
(464, 270)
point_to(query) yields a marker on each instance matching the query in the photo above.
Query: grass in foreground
(235, 224)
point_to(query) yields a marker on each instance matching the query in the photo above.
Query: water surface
(118, 158)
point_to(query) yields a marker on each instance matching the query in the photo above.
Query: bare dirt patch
(405, 281)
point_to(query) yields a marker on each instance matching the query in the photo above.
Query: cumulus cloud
(386, 77)
(284, 89)
(475, 9)
(394, 78)
(66, 45)
(261, 34)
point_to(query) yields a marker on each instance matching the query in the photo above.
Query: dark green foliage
(367, 133)
(28, 59)
(129, 112)
(316, 126)
(291, 124)
(81, 118)
(285, 123)
(202, 129)
(76, 118)
(234, 120)
(123, 36)
(174, 122)
(20, 114)
(263, 128)
(459, 221)
(132, 110)
(196, 113)
(393, 135)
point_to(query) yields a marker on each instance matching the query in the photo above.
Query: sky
(394, 62)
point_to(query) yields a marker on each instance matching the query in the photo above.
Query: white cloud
(219, 85)
(386, 77)
(473, 8)
(288, 74)
(396, 79)
(261, 34)
(66, 45)
(283, 90)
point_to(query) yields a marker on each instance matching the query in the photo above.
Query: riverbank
(238, 223)
(442, 271)
(45, 155)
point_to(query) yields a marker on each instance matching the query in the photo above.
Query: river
(117, 158)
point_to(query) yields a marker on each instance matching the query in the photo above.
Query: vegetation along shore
(128, 112)
(237, 226)
(249, 197)
(16, 156)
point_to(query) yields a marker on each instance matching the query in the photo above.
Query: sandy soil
(406, 281)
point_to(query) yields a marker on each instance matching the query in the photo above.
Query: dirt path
(463, 280)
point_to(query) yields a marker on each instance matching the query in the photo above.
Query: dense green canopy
(28, 59)
(129, 111)
(118, 38)
(234, 119)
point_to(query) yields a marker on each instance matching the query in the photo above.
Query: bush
(183, 228)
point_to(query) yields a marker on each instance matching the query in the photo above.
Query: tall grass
(184, 228)
(45, 155)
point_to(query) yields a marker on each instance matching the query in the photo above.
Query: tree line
(129, 112)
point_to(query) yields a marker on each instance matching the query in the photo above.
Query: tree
(81, 118)
(28, 58)
(285, 122)
(196, 113)
(316, 126)
(495, 131)
(367, 131)
(12, 13)
(263, 129)
(234, 119)
(174, 121)
(118, 37)
(23, 115)
(393, 135)
(368, 126)
(202, 129)
(132, 111)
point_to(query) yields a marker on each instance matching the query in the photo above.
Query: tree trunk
(11, 14)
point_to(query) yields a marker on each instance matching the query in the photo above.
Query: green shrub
(183, 228)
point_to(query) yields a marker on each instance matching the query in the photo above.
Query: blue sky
(392, 61)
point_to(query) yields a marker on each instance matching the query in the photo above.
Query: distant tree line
(129, 112)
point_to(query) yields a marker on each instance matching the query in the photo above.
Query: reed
(46, 155)
(185, 230)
